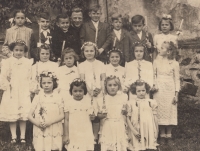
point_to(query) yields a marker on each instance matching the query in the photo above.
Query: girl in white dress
(46, 115)
(113, 134)
(167, 81)
(67, 72)
(138, 69)
(165, 26)
(78, 134)
(14, 81)
(114, 68)
(43, 64)
(93, 72)
(142, 118)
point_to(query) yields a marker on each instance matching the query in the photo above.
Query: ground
(186, 134)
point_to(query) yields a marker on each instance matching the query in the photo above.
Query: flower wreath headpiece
(114, 50)
(89, 43)
(167, 16)
(48, 74)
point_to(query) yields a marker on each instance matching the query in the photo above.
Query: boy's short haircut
(64, 16)
(94, 8)
(137, 19)
(45, 15)
(116, 17)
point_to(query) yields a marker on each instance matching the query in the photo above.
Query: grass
(186, 134)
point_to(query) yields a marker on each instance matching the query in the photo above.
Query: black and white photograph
(99, 75)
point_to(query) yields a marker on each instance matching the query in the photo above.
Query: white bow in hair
(167, 16)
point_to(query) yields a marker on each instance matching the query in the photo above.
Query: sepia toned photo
(99, 75)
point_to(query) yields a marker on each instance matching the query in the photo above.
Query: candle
(91, 94)
(146, 23)
(96, 35)
(78, 69)
(39, 33)
(181, 24)
(114, 42)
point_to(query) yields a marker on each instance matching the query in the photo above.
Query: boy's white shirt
(118, 33)
(96, 24)
(140, 35)
(45, 32)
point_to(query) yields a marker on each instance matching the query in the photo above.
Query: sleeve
(108, 37)
(7, 37)
(151, 50)
(66, 105)
(3, 76)
(155, 40)
(176, 76)
(33, 83)
(81, 68)
(35, 102)
(82, 34)
(150, 74)
(129, 109)
(154, 106)
(33, 46)
(61, 102)
(129, 73)
(154, 72)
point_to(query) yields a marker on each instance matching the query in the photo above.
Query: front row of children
(94, 93)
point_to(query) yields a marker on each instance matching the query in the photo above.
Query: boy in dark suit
(96, 32)
(62, 33)
(121, 38)
(42, 33)
(138, 35)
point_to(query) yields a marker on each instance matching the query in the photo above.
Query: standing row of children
(92, 90)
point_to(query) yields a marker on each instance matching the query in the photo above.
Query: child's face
(77, 93)
(77, 18)
(47, 84)
(20, 19)
(44, 55)
(114, 58)
(44, 23)
(163, 50)
(139, 52)
(89, 52)
(141, 91)
(69, 60)
(18, 52)
(64, 24)
(165, 26)
(117, 24)
(95, 16)
(112, 87)
(138, 27)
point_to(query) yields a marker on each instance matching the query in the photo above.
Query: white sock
(13, 127)
(22, 125)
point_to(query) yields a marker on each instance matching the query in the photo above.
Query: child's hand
(101, 50)
(154, 88)
(37, 91)
(96, 92)
(102, 115)
(124, 110)
(92, 116)
(175, 100)
(148, 44)
(125, 90)
(66, 140)
(138, 136)
(47, 124)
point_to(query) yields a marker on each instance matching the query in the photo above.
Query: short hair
(138, 44)
(137, 19)
(94, 8)
(116, 17)
(45, 47)
(64, 16)
(51, 75)
(114, 50)
(172, 48)
(139, 83)
(45, 15)
(18, 42)
(67, 51)
(170, 22)
(89, 44)
(116, 79)
(76, 10)
(78, 83)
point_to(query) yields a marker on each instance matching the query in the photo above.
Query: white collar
(117, 31)
(44, 30)
(140, 35)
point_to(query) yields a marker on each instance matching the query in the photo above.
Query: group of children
(104, 98)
